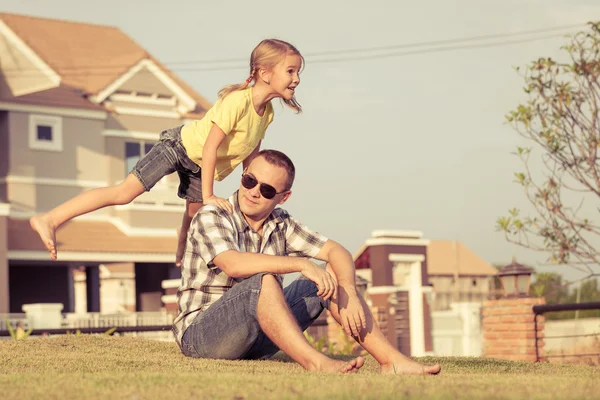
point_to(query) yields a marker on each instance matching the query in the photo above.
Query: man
(231, 301)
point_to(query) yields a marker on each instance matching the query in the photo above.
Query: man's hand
(219, 202)
(324, 281)
(351, 312)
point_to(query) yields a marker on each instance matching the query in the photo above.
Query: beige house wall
(140, 123)
(82, 156)
(448, 291)
(4, 154)
(144, 81)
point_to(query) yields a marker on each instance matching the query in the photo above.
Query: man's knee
(269, 280)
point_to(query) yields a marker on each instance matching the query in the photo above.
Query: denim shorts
(229, 328)
(167, 156)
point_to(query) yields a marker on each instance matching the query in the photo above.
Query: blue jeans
(165, 157)
(229, 328)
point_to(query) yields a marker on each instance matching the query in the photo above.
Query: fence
(153, 325)
(575, 333)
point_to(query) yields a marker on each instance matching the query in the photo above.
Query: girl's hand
(219, 202)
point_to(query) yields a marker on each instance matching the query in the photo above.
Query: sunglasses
(267, 191)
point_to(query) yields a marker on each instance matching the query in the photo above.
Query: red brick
(491, 336)
(491, 320)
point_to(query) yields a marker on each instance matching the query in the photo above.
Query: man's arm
(238, 264)
(341, 262)
(243, 264)
(351, 312)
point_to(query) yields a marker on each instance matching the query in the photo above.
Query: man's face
(252, 203)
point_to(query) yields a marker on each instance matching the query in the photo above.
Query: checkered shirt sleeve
(300, 240)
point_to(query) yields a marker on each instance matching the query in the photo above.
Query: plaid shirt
(214, 231)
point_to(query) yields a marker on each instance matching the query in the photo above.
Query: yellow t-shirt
(243, 127)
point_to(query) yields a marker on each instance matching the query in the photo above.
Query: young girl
(211, 148)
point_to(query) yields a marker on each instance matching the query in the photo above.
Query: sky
(414, 141)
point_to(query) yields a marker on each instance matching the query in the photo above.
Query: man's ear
(285, 197)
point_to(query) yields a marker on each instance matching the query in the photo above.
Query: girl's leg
(191, 208)
(47, 224)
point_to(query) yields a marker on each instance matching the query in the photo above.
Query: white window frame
(56, 144)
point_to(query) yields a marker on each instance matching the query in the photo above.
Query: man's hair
(279, 159)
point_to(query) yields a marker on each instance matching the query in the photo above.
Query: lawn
(102, 367)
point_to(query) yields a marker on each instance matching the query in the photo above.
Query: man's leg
(230, 328)
(372, 339)
(278, 323)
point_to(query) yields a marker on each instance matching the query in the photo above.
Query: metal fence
(546, 308)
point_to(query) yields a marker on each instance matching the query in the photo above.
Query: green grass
(100, 367)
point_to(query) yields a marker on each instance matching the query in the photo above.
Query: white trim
(62, 111)
(55, 124)
(4, 209)
(138, 135)
(154, 101)
(32, 180)
(170, 283)
(161, 75)
(145, 112)
(170, 83)
(29, 54)
(383, 289)
(147, 232)
(415, 311)
(397, 234)
(91, 256)
(152, 207)
(168, 298)
(406, 258)
(389, 241)
(396, 241)
(100, 97)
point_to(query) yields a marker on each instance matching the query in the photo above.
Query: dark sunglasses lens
(248, 181)
(268, 192)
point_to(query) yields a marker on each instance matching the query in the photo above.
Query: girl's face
(285, 76)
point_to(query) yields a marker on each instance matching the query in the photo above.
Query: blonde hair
(266, 55)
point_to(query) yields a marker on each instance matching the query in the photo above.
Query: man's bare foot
(45, 228)
(341, 367)
(181, 239)
(409, 367)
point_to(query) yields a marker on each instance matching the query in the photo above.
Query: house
(79, 105)
(411, 277)
(456, 274)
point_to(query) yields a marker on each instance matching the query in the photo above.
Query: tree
(562, 118)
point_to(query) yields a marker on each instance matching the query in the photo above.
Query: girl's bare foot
(409, 367)
(340, 367)
(45, 228)
(181, 239)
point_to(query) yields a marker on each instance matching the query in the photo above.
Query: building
(79, 105)
(411, 277)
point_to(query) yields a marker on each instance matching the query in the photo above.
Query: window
(133, 152)
(45, 133)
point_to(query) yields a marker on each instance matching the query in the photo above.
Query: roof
(445, 257)
(64, 95)
(88, 236)
(87, 57)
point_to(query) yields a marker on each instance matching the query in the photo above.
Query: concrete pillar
(509, 330)
(92, 285)
(4, 289)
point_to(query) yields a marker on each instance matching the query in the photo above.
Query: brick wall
(509, 329)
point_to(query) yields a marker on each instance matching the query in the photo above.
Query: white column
(415, 300)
